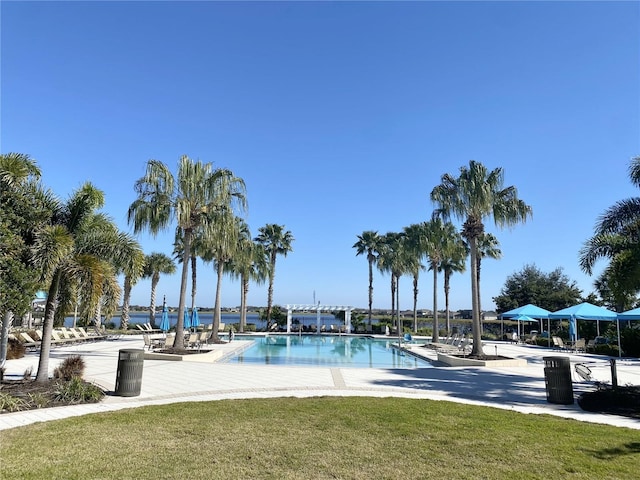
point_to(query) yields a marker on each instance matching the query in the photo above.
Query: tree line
(76, 253)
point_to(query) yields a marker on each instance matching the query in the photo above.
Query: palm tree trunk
(398, 309)
(272, 274)
(393, 296)
(477, 329)
(447, 287)
(415, 303)
(47, 327)
(124, 318)
(370, 290)
(216, 312)
(4, 337)
(243, 302)
(435, 336)
(152, 306)
(179, 341)
(479, 260)
(193, 281)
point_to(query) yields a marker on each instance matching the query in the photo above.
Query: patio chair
(169, 340)
(558, 343)
(194, 341)
(203, 338)
(29, 342)
(580, 345)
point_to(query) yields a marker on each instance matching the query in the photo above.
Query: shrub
(15, 349)
(11, 404)
(70, 368)
(77, 390)
(630, 339)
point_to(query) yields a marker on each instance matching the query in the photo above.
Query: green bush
(9, 403)
(606, 349)
(630, 340)
(77, 390)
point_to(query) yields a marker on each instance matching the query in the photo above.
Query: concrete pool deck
(520, 389)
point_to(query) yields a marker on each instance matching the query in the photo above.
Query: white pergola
(318, 309)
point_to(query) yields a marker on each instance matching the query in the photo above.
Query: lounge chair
(558, 343)
(29, 342)
(152, 343)
(169, 340)
(580, 345)
(203, 338)
(584, 372)
(194, 341)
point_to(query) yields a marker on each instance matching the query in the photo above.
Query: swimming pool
(325, 351)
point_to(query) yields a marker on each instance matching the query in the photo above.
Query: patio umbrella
(529, 310)
(585, 311)
(523, 318)
(195, 320)
(187, 319)
(164, 322)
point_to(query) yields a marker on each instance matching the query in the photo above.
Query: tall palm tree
(453, 262)
(415, 243)
(81, 251)
(369, 242)
(132, 269)
(488, 247)
(395, 259)
(189, 199)
(219, 246)
(248, 264)
(439, 240)
(156, 264)
(473, 196)
(276, 241)
(617, 238)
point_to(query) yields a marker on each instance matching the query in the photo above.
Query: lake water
(227, 318)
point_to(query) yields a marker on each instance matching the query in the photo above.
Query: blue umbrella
(187, 319)
(195, 320)
(584, 311)
(164, 323)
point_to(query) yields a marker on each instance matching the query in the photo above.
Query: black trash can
(557, 378)
(129, 374)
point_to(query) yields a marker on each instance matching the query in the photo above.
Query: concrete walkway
(520, 389)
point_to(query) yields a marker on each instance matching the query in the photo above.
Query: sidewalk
(520, 389)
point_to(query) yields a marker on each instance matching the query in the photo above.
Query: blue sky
(340, 117)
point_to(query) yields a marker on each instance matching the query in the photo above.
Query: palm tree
(395, 259)
(249, 263)
(474, 196)
(276, 241)
(132, 270)
(488, 247)
(369, 242)
(616, 238)
(415, 243)
(439, 240)
(219, 246)
(189, 199)
(156, 264)
(453, 262)
(196, 252)
(79, 254)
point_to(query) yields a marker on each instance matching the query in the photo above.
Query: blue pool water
(325, 351)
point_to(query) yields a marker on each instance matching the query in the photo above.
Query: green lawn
(344, 438)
